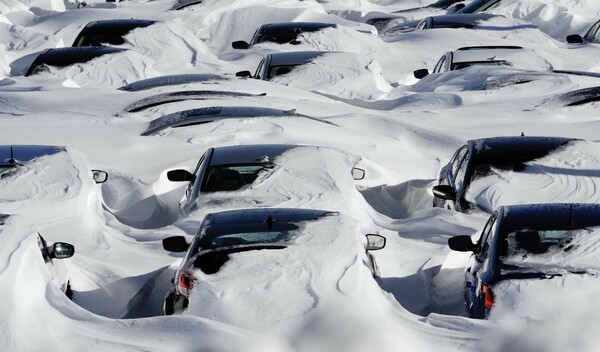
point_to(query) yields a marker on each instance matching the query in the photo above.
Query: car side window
(593, 35)
(458, 158)
(485, 241)
(190, 187)
(439, 65)
(459, 177)
(257, 74)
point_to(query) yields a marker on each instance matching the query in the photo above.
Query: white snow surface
(368, 111)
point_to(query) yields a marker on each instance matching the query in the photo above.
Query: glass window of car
(279, 70)
(485, 241)
(232, 177)
(593, 34)
(458, 158)
(460, 175)
(440, 64)
(258, 72)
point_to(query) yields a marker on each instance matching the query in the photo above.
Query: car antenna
(270, 222)
(12, 159)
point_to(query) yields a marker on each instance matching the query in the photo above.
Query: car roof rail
(483, 47)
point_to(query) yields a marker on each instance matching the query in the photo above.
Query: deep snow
(368, 110)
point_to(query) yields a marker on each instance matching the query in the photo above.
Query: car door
(188, 201)
(455, 175)
(479, 265)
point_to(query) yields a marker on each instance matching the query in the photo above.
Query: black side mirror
(421, 73)
(240, 44)
(243, 74)
(357, 173)
(99, 176)
(574, 39)
(461, 244)
(62, 250)
(445, 192)
(180, 176)
(175, 244)
(375, 242)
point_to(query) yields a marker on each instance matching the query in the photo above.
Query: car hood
(278, 289)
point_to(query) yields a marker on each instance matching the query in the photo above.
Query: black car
(478, 157)
(108, 32)
(592, 36)
(523, 242)
(225, 235)
(281, 33)
(61, 57)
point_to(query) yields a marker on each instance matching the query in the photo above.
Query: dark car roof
(209, 114)
(248, 154)
(117, 26)
(580, 96)
(466, 20)
(559, 216)
(170, 97)
(168, 80)
(516, 148)
(256, 220)
(294, 57)
(24, 153)
(67, 56)
(303, 26)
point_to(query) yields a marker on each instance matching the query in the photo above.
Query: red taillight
(487, 295)
(185, 281)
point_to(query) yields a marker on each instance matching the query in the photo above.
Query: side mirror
(445, 192)
(175, 244)
(240, 44)
(243, 74)
(180, 176)
(421, 73)
(375, 242)
(357, 173)
(574, 39)
(62, 250)
(99, 176)
(461, 244)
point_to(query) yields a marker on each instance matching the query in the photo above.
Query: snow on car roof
(248, 154)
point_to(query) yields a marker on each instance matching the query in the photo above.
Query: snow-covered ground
(364, 105)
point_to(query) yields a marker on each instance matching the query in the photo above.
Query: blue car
(516, 243)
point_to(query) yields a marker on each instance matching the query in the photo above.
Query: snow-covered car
(186, 95)
(283, 241)
(591, 36)
(467, 20)
(489, 172)
(52, 255)
(281, 33)
(14, 156)
(512, 56)
(231, 168)
(61, 57)
(277, 64)
(523, 244)
(209, 114)
(168, 80)
(108, 32)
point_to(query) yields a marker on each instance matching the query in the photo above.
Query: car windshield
(461, 65)
(558, 249)
(279, 70)
(279, 35)
(233, 177)
(248, 238)
(98, 39)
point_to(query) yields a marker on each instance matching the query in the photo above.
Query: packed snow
(358, 106)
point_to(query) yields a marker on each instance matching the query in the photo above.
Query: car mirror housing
(99, 176)
(358, 174)
(62, 250)
(375, 242)
(243, 74)
(175, 244)
(574, 39)
(180, 176)
(461, 244)
(420, 73)
(240, 44)
(445, 192)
